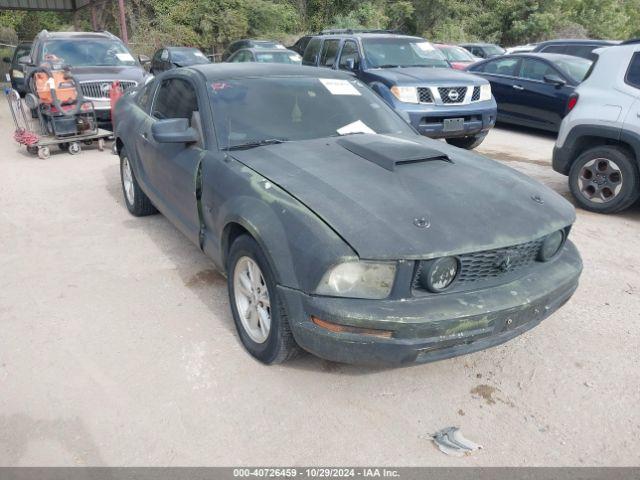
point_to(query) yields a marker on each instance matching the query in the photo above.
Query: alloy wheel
(127, 181)
(252, 299)
(600, 180)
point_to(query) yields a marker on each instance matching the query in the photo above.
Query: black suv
(415, 78)
(16, 71)
(97, 59)
(577, 48)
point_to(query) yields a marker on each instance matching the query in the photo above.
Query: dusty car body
(347, 227)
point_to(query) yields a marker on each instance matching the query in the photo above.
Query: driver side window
(175, 98)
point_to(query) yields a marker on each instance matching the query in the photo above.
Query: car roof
(544, 56)
(479, 45)
(266, 50)
(181, 48)
(222, 71)
(575, 41)
(356, 34)
(73, 35)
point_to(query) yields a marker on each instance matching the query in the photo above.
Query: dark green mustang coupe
(340, 229)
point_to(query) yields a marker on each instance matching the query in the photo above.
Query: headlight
(18, 74)
(485, 92)
(551, 245)
(360, 279)
(438, 275)
(406, 94)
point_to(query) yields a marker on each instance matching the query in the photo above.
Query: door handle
(144, 135)
(518, 87)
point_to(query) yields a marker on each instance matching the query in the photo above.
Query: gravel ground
(118, 348)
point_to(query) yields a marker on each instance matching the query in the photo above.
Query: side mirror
(174, 130)
(350, 64)
(554, 80)
(143, 59)
(26, 60)
(6, 60)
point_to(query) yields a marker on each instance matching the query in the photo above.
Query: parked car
(341, 230)
(532, 89)
(414, 78)
(484, 50)
(167, 58)
(97, 59)
(16, 71)
(459, 58)
(249, 43)
(598, 146)
(577, 48)
(263, 55)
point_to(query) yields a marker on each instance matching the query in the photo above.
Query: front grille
(452, 94)
(476, 94)
(490, 264)
(100, 91)
(424, 95)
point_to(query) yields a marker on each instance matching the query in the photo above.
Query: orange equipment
(55, 83)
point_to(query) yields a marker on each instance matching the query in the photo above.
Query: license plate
(453, 124)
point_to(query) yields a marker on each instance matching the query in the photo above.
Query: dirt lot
(118, 348)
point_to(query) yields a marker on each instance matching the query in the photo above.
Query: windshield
(456, 54)
(575, 68)
(88, 53)
(279, 57)
(190, 56)
(402, 52)
(494, 50)
(268, 109)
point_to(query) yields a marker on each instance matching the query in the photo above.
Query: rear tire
(135, 199)
(605, 179)
(468, 143)
(264, 329)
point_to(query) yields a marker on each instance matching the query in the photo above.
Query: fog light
(551, 245)
(439, 274)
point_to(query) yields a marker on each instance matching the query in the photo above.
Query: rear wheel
(468, 143)
(136, 200)
(258, 310)
(605, 179)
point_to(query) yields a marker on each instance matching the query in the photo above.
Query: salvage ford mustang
(340, 229)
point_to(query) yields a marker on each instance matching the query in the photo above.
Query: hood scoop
(390, 152)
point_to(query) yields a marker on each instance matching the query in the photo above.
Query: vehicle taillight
(573, 101)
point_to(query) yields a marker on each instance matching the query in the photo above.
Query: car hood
(431, 200)
(423, 76)
(87, 74)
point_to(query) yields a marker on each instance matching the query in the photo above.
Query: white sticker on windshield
(199, 54)
(356, 127)
(339, 87)
(425, 46)
(124, 57)
(281, 47)
(294, 58)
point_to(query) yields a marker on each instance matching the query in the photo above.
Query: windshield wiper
(389, 65)
(256, 143)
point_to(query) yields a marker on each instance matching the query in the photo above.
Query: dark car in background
(96, 60)
(340, 229)
(264, 55)
(577, 48)
(250, 43)
(412, 76)
(533, 89)
(167, 58)
(484, 50)
(301, 44)
(458, 57)
(16, 70)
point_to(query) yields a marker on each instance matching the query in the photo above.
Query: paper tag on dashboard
(337, 86)
(356, 127)
(425, 46)
(124, 57)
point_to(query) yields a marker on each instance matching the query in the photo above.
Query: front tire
(260, 314)
(605, 179)
(468, 143)
(135, 199)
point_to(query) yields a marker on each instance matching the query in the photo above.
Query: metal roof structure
(44, 5)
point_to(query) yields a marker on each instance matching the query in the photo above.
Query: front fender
(299, 246)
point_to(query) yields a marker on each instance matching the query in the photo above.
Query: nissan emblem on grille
(453, 95)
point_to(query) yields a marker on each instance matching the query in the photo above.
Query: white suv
(598, 145)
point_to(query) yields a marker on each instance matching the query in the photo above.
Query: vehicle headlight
(406, 94)
(359, 279)
(439, 274)
(485, 92)
(551, 245)
(18, 74)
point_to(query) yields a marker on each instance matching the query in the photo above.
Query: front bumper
(428, 119)
(435, 327)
